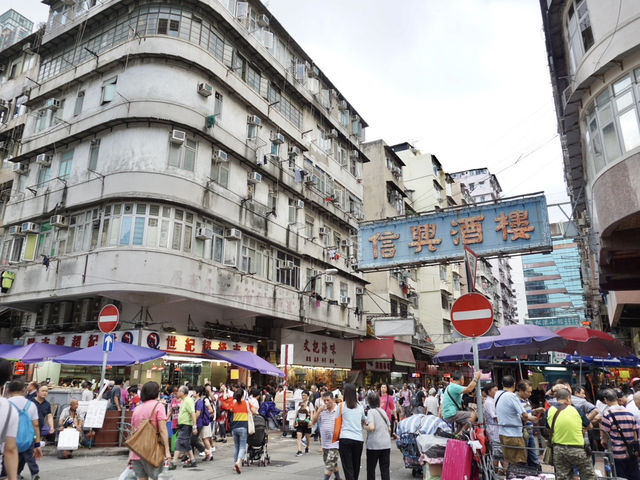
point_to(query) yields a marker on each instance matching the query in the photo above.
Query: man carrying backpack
(417, 400)
(28, 429)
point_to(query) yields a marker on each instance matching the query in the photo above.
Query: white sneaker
(213, 449)
(202, 454)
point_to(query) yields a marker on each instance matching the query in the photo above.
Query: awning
(247, 360)
(384, 349)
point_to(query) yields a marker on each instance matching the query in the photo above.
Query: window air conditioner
(263, 21)
(254, 177)
(52, 103)
(43, 160)
(178, 137)
(345, 300)
(30, 227)
(277, 138)
(220, 156)
(205, 89)
(343, 105)
(355, 118)
(314, 72)
(254, 120)
(294, 151)
(333, 133)
(322, 231)
(59, 221)
(286, 265)
(354, 153)
(233, 233)
(20, 168)
(299, 204)
(359, 291)
(329, 279)
(345, 243)
(203, 233)
(15, 230)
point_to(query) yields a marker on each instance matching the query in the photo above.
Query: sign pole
(104, 367)
(476, 367)
(284, 393)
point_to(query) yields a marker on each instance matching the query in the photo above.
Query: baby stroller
(257, 450)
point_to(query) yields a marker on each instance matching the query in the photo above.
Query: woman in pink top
(174, 405)
(387, 404)
(150, 408)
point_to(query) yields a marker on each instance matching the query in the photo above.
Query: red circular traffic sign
(108, 318)
(472, 315)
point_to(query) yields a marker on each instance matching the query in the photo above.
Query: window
(579, 33)
(65, 165)
(393, 307)
(43, 176)
(42, 120)
(77, 109)
(183, 155)
(308, 226)
(293, 211)
(220, 173)
(275, 149)
(108, 90)
(94, 151)
(287, 269)
(252, 131)
(252, 257)
(344, 289)
(217, 107)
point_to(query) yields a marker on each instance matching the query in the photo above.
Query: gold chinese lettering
(516, 225)
(470, 230)
(424, 236)
(384, 242)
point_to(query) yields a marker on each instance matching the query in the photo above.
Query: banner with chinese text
(318, 350)
(506, 227)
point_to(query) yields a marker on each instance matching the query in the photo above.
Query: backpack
(205, 417)
(415, 400)
(26, 432)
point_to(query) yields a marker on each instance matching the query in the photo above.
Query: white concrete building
(190, 163)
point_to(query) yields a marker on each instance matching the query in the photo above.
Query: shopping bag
(128, 474)
(251, 428)
(68, 439)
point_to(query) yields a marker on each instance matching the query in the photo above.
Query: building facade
(13, 27)
(191, 164)
(594, 62)
(553, 284)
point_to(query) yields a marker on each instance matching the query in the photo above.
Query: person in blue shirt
(510, 414)
(351, 437)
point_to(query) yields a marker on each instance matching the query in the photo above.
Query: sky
(465, 80)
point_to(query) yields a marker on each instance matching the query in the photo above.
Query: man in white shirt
(15, 392)
(87, 395)
(8, 428)
(431, 403)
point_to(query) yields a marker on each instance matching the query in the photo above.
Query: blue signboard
(501, 228)
(555, 323)
(107, 344)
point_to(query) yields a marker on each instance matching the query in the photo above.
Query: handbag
(69, 439)
(632, 448)
(547, 455)
(145, 442)
(251, 427)
(337, 426)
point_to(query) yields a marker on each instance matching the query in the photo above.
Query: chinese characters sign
(556, 323)
(508, 227)
(318, 350)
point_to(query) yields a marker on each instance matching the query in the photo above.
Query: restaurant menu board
(95, 412)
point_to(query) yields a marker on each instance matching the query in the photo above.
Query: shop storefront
(384, 360)
(317, 359)
(185, 360)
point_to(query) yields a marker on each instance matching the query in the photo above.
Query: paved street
(284, 464)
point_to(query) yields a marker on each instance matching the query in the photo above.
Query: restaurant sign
(500, 228)
(318, 350)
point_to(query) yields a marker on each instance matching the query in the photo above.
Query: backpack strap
(553, 422)
(453, 400)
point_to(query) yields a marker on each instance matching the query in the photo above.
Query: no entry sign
(472, 315)
(108, 318)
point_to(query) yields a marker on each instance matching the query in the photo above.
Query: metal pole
(104, 368)
(476, 366)
(286, 381)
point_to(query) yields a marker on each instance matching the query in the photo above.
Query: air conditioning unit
(203, 233)
(20, 168)
(359, 291)
(345, 243)
(26, 47)
(294, 151)
(314, 72)
(220, 156)
(263, 21)
(30, 227)
(323, 231)
(345, 300)
(233, 233)
(178, 137)
(299, 204)
(342, 105)
(205, 89)
(43, 160)
(254, 120)
(286, 264)
(277, 138)
(355, 118)
(52, 103)
(354, 153)
(15, 230)
(329, 279)
(254, 177)
(333, 133)
(59, 221)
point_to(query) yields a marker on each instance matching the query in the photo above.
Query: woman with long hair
(150, 408)
(387, 404)
(351, 438)
(239, 426)
(378, 442)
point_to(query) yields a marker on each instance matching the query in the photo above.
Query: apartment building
(13, 28)
(594, 64)
(189, 163)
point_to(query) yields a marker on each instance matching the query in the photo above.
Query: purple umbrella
(520, 339)
(4, 347)
(458, 352)
(247, 360)
(36, 352)
(123, 354)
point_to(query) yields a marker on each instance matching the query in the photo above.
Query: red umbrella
(587, 341)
